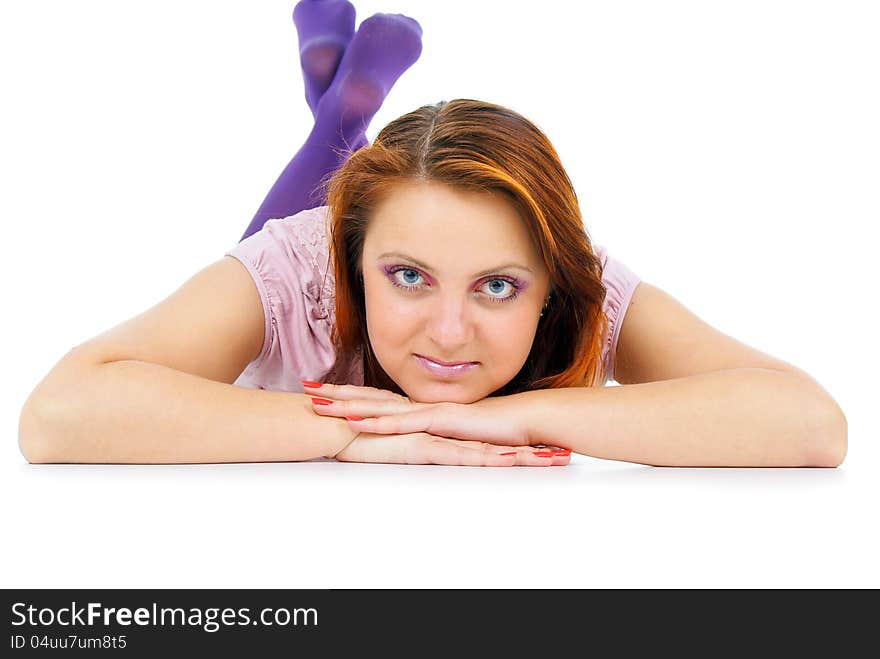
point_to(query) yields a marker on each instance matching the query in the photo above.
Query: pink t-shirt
(289, 262)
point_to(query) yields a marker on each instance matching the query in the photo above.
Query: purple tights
(347, 75)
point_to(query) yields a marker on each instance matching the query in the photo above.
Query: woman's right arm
(158, 388)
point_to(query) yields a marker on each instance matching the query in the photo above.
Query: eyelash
(394, 270)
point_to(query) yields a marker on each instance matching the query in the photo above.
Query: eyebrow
(424, 266)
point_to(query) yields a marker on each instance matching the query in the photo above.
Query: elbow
(827, 444)
(32, 432)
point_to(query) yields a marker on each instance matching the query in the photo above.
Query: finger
(560, 456)
(470, 454)
(530, 456)
(395, 424)
(523, 456)
(485, 455)
(348, 391)
(364, 409)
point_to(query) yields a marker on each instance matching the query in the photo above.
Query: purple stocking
(384, 46)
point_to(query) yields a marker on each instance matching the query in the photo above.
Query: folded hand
(392, 428)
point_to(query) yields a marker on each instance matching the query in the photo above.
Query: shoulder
(288, 236)
(289, 253)
(288, 261)
(307, 230)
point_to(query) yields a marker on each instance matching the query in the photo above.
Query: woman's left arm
(691, 395)
(741, 417)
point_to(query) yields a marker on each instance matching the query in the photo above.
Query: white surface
(726, 152)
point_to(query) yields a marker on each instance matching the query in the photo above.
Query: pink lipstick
(444, 369)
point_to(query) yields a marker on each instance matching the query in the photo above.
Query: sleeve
(284, 261)
(620, 283)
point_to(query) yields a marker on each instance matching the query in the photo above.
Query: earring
(546, 302)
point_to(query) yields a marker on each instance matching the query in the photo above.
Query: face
(450, 276)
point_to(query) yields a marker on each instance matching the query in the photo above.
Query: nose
(450, 326)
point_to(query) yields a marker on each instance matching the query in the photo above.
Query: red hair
(480, 147)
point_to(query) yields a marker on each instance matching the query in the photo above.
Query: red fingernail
(544, 454)
(509, 453)
(321, 401)
(355, 418)
(564, 451)
(310, 384)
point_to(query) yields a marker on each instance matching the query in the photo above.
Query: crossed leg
(347, 77)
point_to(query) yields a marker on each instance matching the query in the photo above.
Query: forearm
(733, 418)
(138, 412)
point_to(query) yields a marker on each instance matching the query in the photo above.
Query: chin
(442, 393)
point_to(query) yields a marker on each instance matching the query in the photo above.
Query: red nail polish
(355, 418)
(310, 384)
(544, 454)
(321, 401)
(564, 451)
(509, 453)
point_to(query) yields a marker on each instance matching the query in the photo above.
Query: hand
(491, 420)
(423, 448)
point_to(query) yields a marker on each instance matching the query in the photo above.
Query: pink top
(288, 260)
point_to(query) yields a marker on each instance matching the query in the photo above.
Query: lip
(441, 362)
(444, 369)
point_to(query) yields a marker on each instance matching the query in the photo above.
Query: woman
(446, 302)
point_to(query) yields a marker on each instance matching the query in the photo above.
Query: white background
(725, 151)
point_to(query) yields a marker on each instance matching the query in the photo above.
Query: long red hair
(474, 146)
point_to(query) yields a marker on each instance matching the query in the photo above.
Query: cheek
(510, 336)
(387, 317)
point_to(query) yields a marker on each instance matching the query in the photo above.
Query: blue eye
(495, 289)
(408, 279)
